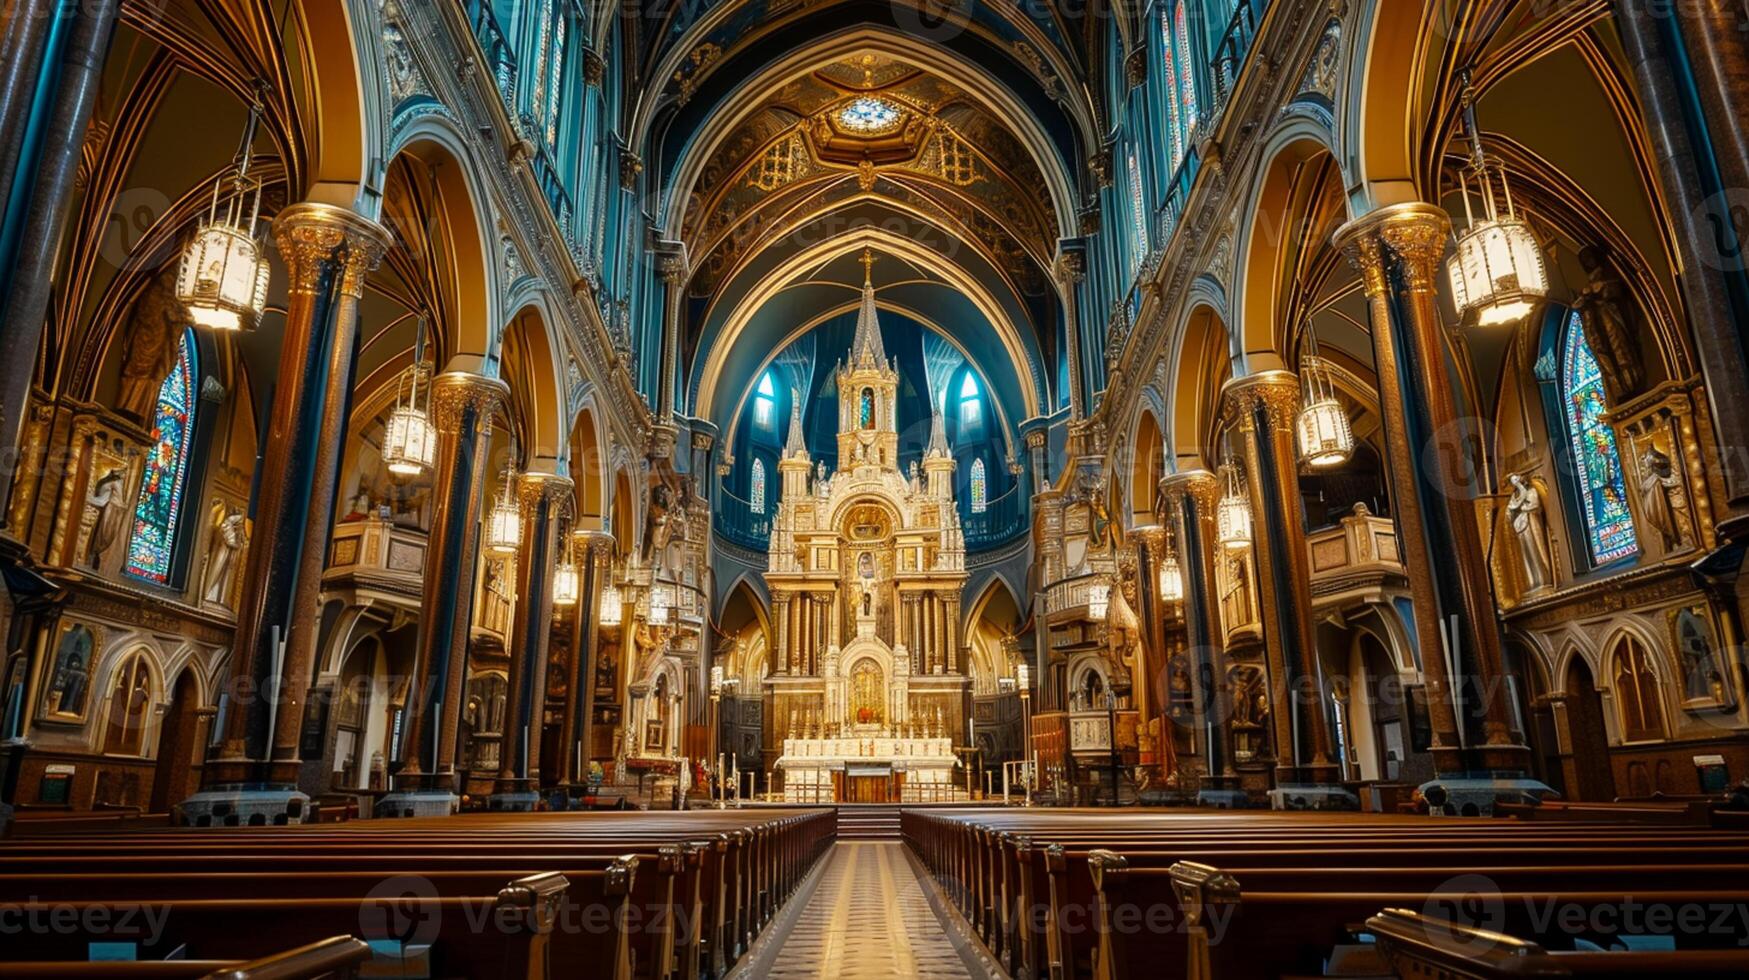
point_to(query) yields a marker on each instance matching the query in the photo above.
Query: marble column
(542, 496)
(462, 406)
(673, 268)
(1712, 321)
(1069, 271)
(1413, 239)
(951, 605)
(29, 283)
(1190, 508)
(1366, 252)
(1265, 406)
(594, 555)
(1037, 441)
(327, 252)
(780, 616)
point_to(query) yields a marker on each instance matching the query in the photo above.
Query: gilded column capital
(1070, 268)
(1413, 235)
(307, 234)
(779, 596)
(1200, 486)
(1037, 439)
(599, 544)
(454, 391)
(533, 488)
(1277, 391)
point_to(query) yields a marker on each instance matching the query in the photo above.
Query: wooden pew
(1416, 945)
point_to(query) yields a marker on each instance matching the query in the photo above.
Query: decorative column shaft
(1265, 405)
(1190, 505)
(1069, 272)
(1366, 252)
(327, 253)
(462, 405)
(1712, 320)
(1413, 239)
(29, 282)
(595, 554)
(780, 609)
(951, 601)
(672, 266)
(542, 496)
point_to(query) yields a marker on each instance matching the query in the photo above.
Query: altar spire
(866, 349)
(795, 446)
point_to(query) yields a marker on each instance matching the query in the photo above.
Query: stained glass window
(554, 79)
(1138, 208)
(1170, 70)
(1187, 108)
(1179, 80)
(542, 41)
(979, 499)
(756, 488)
(865, 410)
(152, 546)
(762, 403)
(1609, 526)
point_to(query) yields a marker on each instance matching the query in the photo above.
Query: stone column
(1413, 239)
(673, 268)
(1711, 319)
(951, 606)
(1036, 443)
(1265, 406)
(462, 406)
(780, 616)
(594, 556)
(327, 253)
(29, 285)
(1190, 508)
(822, 615)
(1366, 252)
(542, 496)
(1069, 271)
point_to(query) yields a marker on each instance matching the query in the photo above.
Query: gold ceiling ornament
(1326, 438)
(1497, 273)
(224, 273)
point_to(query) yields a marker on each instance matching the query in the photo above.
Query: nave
(966, 892)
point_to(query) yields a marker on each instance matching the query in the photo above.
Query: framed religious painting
(653, 736)
(1703, 679)
(67, 691)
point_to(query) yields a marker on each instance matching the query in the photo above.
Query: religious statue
(820, 478)
(1702, 680)
(916, 485)
(150, 338)
(230, 537)
(1606, 306)
(1664, 499)
(70, 675)
(106, 499)
(1524, 511)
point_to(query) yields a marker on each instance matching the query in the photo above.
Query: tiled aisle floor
(868, 916)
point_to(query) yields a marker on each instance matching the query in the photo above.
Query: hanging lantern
(1233, 512)
(1023, 676)
(409, 439)
(224, 274)
(1171, 579)
(504, 524)
(716, 680)
(611, 606)
(1326, 439)
(1497, 273)
(566, 581)
(661, 600)
(1098, 601)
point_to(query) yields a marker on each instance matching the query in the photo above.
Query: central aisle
(868, 914)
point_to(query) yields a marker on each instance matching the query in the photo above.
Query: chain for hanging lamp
(224, 274)
(1497, 273)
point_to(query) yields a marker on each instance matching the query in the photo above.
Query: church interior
(820, 487)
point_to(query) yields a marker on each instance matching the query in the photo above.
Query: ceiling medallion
(869, 116)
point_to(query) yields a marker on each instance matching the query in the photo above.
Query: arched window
(1636, 692)
(979, 500)
(756, 487)
(549, 63)
(762, 402)
(1178, 80)
(130, 703)
(1138, 209)
(152, 547)
(865, 413)
(1597, 470)
(971, 406)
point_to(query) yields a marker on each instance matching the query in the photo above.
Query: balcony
(1356, 561)
(1235, 44)
(378, 557)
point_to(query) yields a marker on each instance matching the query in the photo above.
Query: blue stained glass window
(869, 114)
(756, 489)
(762, 402)
(152, 546)
(1609, 526)
(554, 79)
(1179, 80)
(971, 408)
(1138, 208)
(979, 498)
(865, 412)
